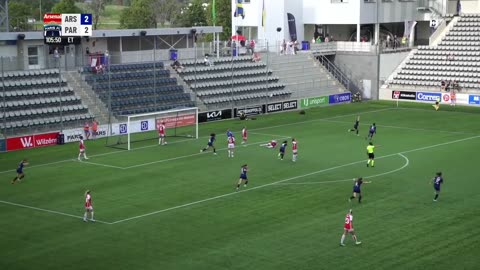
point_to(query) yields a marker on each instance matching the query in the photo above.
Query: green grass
(289, 217)
(110, 18)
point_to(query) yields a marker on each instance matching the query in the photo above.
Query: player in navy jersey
(437, 181)
(229, 133)
(371, 131)
(356, 189)
(20, 174)
(210, 143)
(355, 126)
(243, 177)
(281, 153)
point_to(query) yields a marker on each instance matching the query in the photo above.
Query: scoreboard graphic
(64, 29)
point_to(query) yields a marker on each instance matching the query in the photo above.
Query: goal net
(141, 130)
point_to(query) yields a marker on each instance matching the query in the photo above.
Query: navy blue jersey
(229, 134)
(356, 124)
(357, 185)
(282, 147)
(20, 167)
(243, 172)
(373, 129)
(437, 181)
(211, 140)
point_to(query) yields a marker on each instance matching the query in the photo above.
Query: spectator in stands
(256, 57)
(387, 43)
(451, 57)
(177, 66)
(319, 39)
(404, 41)
(313, 40)
(443, 85)
(295, 46)
(86, 130)
(283, 47)
(94, 129)
(251, 46)
(331, 38)
(87, 51)
(206, 61)
(395, 42)
(327, 39)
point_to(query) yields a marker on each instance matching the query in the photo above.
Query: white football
(165, 143)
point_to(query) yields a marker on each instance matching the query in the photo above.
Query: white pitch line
(149, 146)
(288, 179)
(48, 211)
(102, 165)
(407, 162)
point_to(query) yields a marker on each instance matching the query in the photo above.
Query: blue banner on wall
(340, 98)
(426, 96)
(3, 145)
(474, 99)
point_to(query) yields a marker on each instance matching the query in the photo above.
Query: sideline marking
(407, 162)
(289, 179)
(100, 164)
(49, 211)
(149, 146)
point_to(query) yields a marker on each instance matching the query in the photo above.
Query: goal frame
(157, 115)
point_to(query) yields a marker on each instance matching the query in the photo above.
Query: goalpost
(141, 130)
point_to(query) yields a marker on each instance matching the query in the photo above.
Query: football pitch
(172, 207)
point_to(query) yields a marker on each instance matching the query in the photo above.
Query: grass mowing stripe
(289, 179)
(407, 162)
(102, 165)
(48, 211)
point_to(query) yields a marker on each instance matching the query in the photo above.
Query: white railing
(343, 46)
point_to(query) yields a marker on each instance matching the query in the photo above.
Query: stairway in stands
(303, 73)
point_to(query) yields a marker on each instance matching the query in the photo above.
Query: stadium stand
(133, 89)
(213, 84)
(455, 59)
(37, 100)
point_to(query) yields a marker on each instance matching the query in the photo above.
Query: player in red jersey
(231, 145)
(294, 150)
(271, 144)
(161, 134)
(82, 150)
(244, 135)
(86, 130)
(88, 206)
(348, 228)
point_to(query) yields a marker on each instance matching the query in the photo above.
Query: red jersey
(244, 133)
(273, 143)
(86, 127)
(88, 201)
(294, 146)
(161, 129)
(231, 140)
(348, 222)
(82, 145)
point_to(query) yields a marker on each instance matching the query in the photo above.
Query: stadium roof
(122, 33)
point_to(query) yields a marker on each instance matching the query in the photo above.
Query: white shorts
(90, 208)
(161, 135)
(82, 150)
(231, 146)
(295, 152)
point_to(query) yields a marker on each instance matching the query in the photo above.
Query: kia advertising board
(306, 103)
(32, 141)
(404, 95)
(340, 98)
(429, 97)
(214, 115)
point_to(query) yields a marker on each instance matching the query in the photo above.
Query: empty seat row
(27, 123)
(209, 69)
(214, 100)
(248, 88)
(465, 29)
(430, 83)
(449, 63)
(33, 83)
(226, 75)
(452, 38)
(459, 43)
(146, 91)
(473, 52)
(128, 67)
(30, 73)
(29, 103)
(31, 93)
(134, 84)
(42, 112)
(440, 73)
(463, 34)
(124, 103)
(410, 67)
(127, 76)
(437, 78)
(443, 58)
(235, 82)
(155, 108)
(221, 60)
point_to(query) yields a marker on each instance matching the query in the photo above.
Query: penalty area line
(48, 211)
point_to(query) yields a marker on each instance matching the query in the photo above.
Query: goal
(141, 130)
